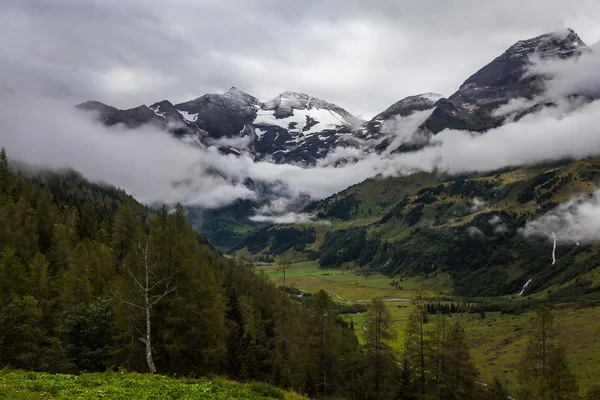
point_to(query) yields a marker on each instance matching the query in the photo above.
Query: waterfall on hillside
(554, 249)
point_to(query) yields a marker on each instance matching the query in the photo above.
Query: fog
(155, 167)
(575, 221)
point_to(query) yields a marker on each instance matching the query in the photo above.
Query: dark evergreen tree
(237, 340)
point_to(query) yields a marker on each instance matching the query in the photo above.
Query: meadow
(497, 341)
(125, 386)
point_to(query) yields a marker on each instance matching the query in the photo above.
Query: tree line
(90, 280)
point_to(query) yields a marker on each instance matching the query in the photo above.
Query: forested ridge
(90, 280)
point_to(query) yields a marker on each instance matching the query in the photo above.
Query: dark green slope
(466, 226)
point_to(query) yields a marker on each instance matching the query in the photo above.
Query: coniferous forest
(91, 280)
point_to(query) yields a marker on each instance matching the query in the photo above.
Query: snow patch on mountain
(302, 121)
(188, 116)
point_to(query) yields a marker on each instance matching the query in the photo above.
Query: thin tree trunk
(148, 341)
(422, 355)
(148, 307)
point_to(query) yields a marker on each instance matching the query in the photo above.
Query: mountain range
(300, 129)
(295, 128)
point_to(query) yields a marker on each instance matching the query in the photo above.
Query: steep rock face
(501, 80)
(221, 115)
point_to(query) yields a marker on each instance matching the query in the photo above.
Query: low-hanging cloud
(575, 221)
(147, 162)
(574, 76)
(155, 167)
(287, 218)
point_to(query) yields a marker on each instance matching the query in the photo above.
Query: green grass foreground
(129, 386)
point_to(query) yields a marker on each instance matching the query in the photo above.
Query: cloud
(550, 134)
(515, 106)
(147, 162)
(157, 168)
(475, 232)
(400, 130)
(495, 220)
(572, 76)
(477, 204)
(241, 142)
(575, 221)
(287, 218)
(154, 167)
(501, 229)
(130, 52)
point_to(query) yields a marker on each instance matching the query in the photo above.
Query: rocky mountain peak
(561, 44)
(503, 79)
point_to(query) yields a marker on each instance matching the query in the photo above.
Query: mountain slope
(468, 227)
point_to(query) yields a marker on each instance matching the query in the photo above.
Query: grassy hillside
(497, 341)
(33, 386)
(464, 226)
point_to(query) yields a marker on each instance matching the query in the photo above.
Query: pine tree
(439, 338)
(544, 371)
(406, 388)
(20, 333)
(459, 376)
(13, 278)
(125, 232)
(38, 278)
(45, 222)
(75, 285)
(5, 174)
(237, 341)
(379, 332)
(86, 333)
(418, 347)
(283, 265)
(322, 344)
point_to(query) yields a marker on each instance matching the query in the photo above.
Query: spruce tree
(237, 340)
(459, 377)
(5, 175)
(381, 362)
(322, 345)
(544, 372)
(418, 347)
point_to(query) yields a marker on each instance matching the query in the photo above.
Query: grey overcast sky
(362, 55)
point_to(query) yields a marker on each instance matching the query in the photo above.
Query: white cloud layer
(575, 221)
(286, 218)
(157, 168)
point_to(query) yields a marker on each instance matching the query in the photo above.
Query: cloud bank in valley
(155, 167)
